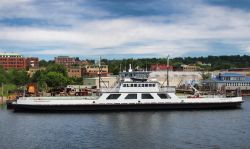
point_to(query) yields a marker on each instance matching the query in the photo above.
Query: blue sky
(125, 28)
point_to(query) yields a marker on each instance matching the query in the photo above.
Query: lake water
(127, 130)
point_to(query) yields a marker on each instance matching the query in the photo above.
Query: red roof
(159, 67)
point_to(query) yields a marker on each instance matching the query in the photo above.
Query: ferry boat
(132, 92)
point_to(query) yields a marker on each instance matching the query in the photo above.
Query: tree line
(55, 75)
(217, 62)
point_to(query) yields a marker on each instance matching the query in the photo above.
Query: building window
(146, 96)
(131, 96)
(113, 96)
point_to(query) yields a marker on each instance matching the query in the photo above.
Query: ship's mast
(168, 70)
(99, 73)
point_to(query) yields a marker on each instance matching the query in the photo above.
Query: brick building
(65, 60)
(190, 67)
(75, 72)
(12, 60)
(32, 62)
(93, 70)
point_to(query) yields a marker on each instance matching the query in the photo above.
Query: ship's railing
(169, 89)
(108, 90)
(60, 98)
(202, 96)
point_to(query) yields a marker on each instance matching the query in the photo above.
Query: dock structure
(231, 84)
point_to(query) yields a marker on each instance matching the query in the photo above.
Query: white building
(176, 78)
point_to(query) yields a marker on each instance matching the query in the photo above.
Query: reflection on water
(140, 129)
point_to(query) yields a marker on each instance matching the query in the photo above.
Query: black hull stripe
(121, 107)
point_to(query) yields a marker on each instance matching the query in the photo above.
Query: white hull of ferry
(102, 103)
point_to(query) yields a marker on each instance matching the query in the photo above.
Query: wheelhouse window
(113, 96)
(147, 96)
(164, 96)
(131, 96)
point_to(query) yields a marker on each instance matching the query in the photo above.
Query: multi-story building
(93, 70)
(82, 62)
(65, 60)
(12, 60)
(229, 82)
(32, 62)
(189, 67)
(75, 72)
(33, 70)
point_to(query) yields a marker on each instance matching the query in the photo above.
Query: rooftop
(232, 75)
(10, 54)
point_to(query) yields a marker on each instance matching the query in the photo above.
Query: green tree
(56, 79)
(18, 77)
(40, 78)
(3, 75)
(57, 68)
(44, 63)
(205, 75)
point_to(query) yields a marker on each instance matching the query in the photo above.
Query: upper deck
(141, 87)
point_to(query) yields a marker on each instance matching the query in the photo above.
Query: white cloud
(183, 33)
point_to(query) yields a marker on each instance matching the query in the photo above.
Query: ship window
(139, 85)
(131, 96)
(142, 85)
(113, 96)
(163, 96)
(146, 96)
(153, 85)
(131, 85)
(146, 85)
(150, 85)
(124, 85)
(135, 85)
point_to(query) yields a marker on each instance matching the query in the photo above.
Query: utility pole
(168, 70)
